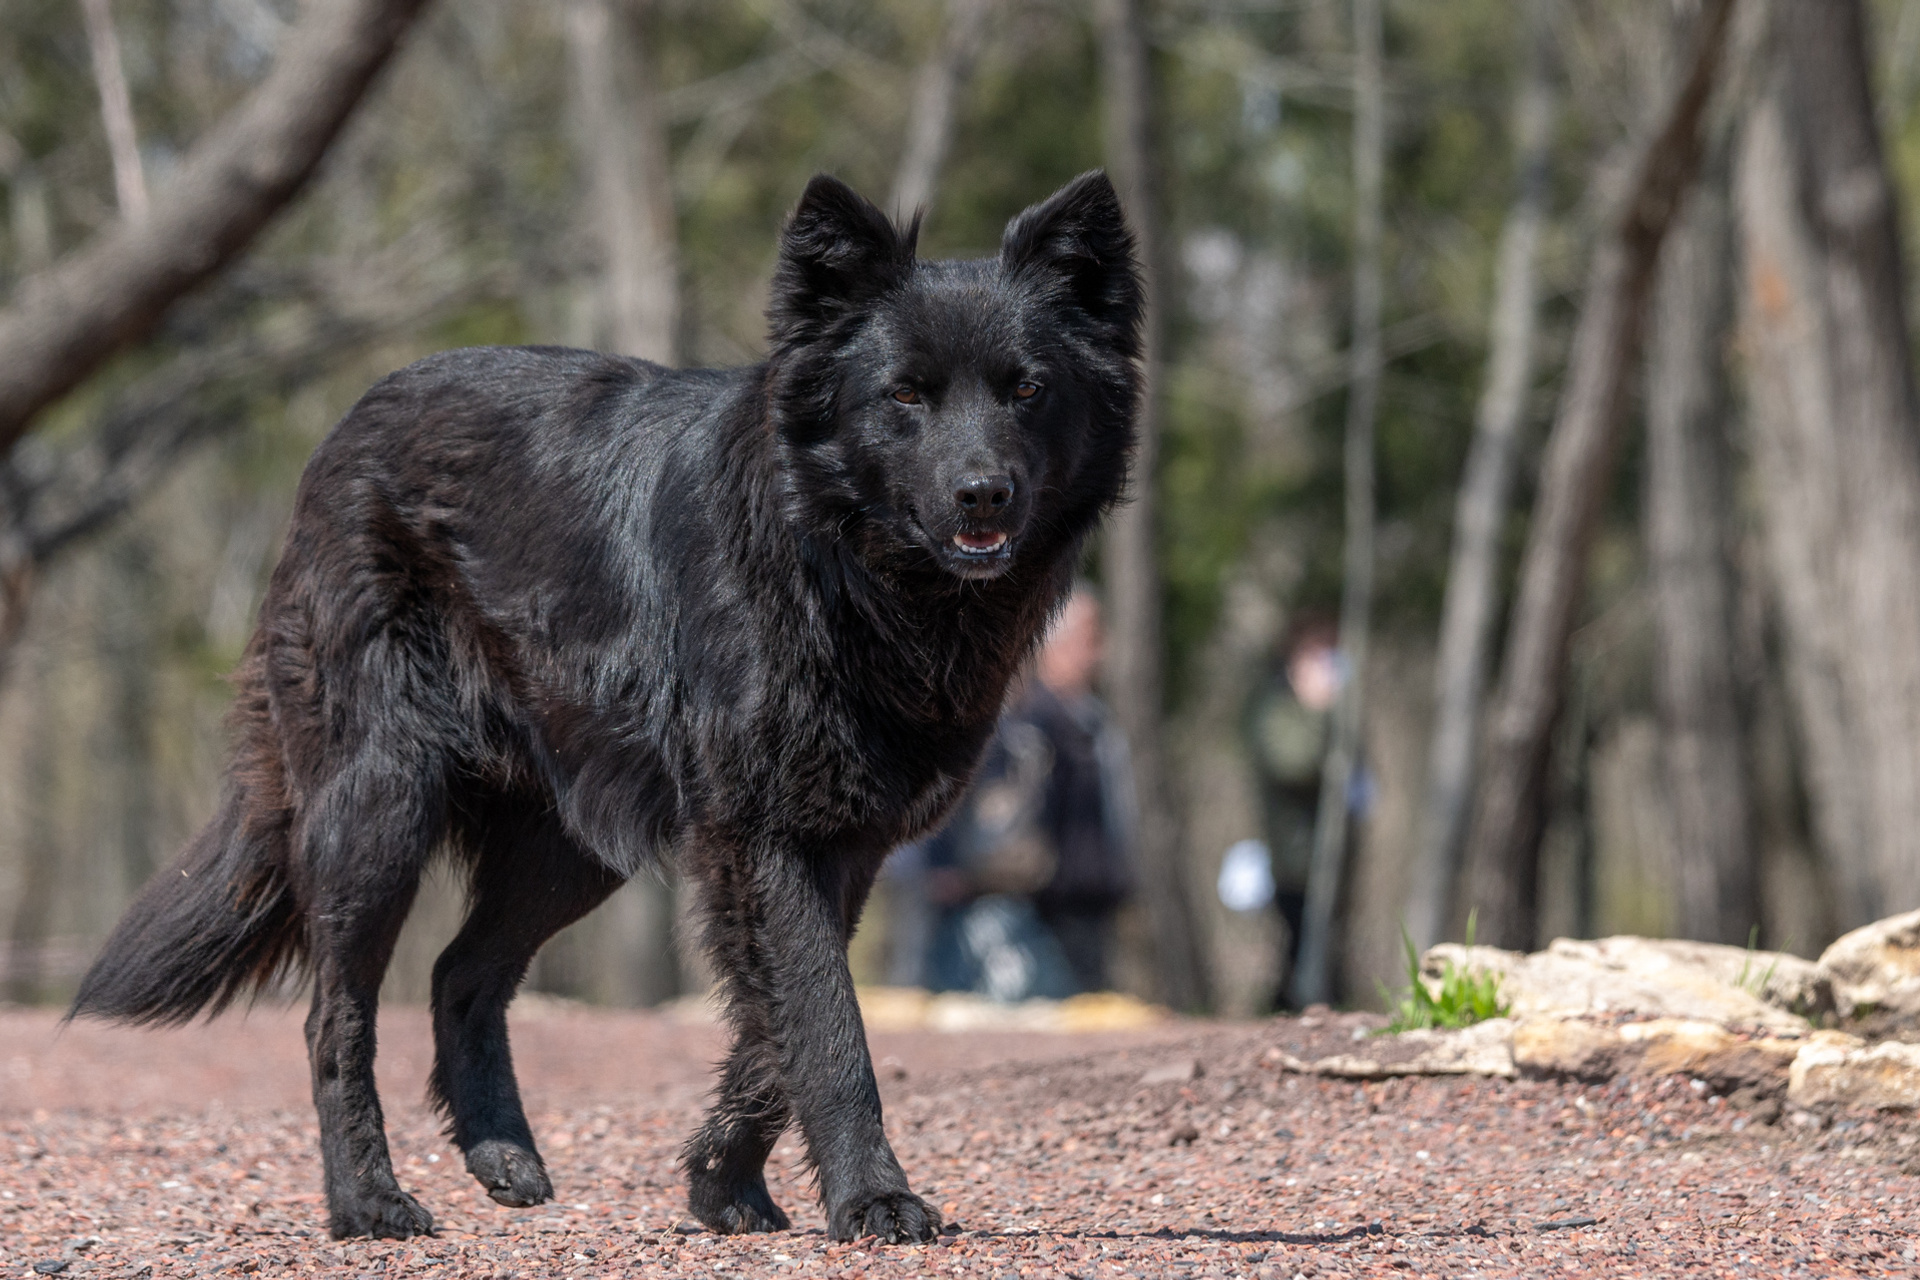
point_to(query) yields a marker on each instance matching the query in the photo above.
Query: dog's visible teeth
(979, 543)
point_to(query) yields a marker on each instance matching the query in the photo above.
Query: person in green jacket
(1289, 724)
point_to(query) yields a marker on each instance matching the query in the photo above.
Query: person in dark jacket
(1029, 875)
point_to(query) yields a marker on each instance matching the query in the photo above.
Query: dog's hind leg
(530, 880)
(726, 1161)
(364, 838)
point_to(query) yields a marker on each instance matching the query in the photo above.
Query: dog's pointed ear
(837, 251)
(1079, 235)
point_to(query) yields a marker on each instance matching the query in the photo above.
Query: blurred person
(1290, 724)
(1027, 878)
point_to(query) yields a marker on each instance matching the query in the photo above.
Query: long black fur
(570, 615)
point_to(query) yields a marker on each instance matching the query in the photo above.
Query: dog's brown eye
(1027, 390)
(907, 395)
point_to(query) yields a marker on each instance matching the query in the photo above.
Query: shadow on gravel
(1195, 1233)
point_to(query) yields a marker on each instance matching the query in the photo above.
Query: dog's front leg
(779, 934)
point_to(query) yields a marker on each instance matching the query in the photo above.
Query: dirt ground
(191, 1153)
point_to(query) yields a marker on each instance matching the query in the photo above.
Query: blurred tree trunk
(1135, 652)
(1313, 975)
(65, 322)
(1834, 420)
(623, 150)
(1503, 852)
(1473, 577)
(116, 110)
(625, 953)
(1687, 532)
(32, 922)
(937, 89)
(126, 768)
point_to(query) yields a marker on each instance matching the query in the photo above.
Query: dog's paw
(511, 1174)
(897, 1217)
(385, 1214)
(735, 1210)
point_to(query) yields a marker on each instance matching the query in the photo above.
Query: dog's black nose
(984, 495)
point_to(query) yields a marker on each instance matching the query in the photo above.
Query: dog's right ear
(838, 251)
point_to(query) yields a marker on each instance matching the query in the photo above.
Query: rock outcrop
(1838, 1070)
(1875, 971)
(1727, 1061)
(1654, 978)
(1758, 1026)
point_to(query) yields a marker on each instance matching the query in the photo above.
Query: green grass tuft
(1755, 984)
(1463, 999)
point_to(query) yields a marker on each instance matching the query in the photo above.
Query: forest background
(1642, 641)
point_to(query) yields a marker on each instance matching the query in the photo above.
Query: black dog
(567, 615)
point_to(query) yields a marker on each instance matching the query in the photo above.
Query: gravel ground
(136, 1153)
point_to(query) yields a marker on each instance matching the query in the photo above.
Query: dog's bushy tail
(221, 920)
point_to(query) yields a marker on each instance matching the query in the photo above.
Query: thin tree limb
(623, 148)
(116, 110)
(930, 121)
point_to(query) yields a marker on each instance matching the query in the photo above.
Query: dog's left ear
(837, 252)
(1079, 235)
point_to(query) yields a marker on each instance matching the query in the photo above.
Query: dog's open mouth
(979, 544)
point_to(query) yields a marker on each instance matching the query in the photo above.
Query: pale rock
(1640, 976)
(1876, 969)
(1567, 1047)
(1109, 1011)
(893, 1008)
(1482, 1049)
(910, 1008)
(1706, 1051)
(1835, 1070)
(1181, 1072)
(1680, 1046)
(1780, 978)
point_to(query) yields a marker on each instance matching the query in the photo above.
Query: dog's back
(457, 511)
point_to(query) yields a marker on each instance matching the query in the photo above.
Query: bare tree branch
(64, 323)
(116, 110)
(52, 497)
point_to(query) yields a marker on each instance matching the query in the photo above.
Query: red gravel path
(131, 1153)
